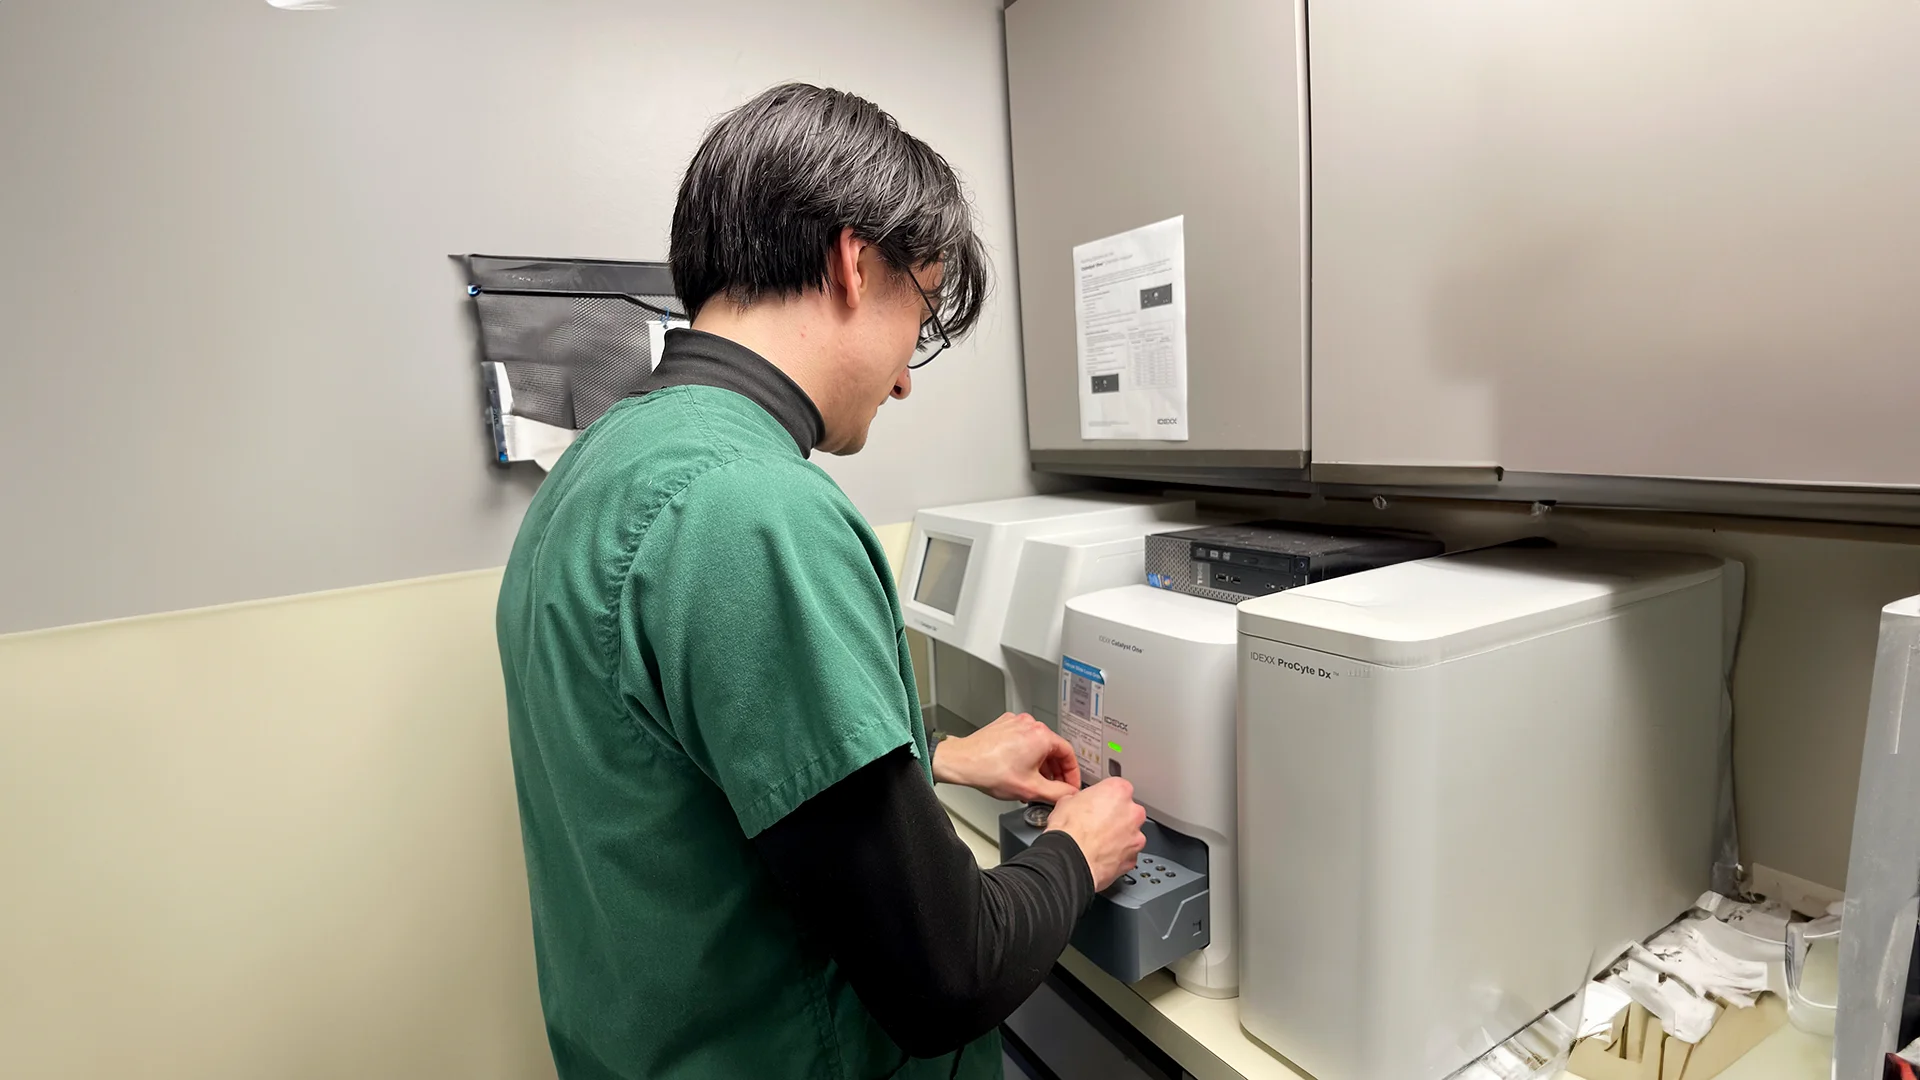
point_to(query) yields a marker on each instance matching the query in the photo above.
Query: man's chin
(853, 445)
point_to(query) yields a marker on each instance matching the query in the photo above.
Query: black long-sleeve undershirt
(939, 950)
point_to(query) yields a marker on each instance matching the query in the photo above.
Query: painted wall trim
(239, 605)
(893, 538)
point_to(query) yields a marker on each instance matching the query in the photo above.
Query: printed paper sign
(1130, 314)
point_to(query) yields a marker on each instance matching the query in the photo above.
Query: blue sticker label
(1084, 670)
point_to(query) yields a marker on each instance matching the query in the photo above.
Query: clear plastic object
(1876, 980)
(1812, 976)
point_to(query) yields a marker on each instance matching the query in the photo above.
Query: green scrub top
(699, 633)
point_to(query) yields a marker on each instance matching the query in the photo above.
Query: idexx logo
(1105, 640)
(1294, 666)
(1168, 421)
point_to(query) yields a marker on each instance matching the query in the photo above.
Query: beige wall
(894, 538)
(276, 839)
(268, 839)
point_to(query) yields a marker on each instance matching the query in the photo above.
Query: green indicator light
(1115, 747)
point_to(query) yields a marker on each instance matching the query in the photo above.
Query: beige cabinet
(1130, 112)
(1673, 238)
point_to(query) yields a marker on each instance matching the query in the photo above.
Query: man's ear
(844, 274)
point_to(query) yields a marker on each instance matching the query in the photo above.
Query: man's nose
(903, 386)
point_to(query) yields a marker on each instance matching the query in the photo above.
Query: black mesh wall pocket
(571, 336)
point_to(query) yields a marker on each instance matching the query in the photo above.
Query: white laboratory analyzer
(992, 580)
(1146, 692)
(1462, 781)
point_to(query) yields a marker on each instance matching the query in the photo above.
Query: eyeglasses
(939, 334)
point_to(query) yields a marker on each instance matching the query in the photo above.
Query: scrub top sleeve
(763, 622)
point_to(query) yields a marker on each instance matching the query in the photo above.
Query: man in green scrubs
(737, 866)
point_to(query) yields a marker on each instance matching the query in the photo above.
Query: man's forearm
(939, 950)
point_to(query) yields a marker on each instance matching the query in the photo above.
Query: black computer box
(1233, 563)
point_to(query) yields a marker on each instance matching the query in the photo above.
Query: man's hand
(1015, 757)
(1105, 821)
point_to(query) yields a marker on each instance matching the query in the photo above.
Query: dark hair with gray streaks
(774, 182)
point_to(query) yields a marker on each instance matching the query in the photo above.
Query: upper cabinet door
(1672, 238)
(1130, 112)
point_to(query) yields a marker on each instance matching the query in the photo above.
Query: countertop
(1205, 1037)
